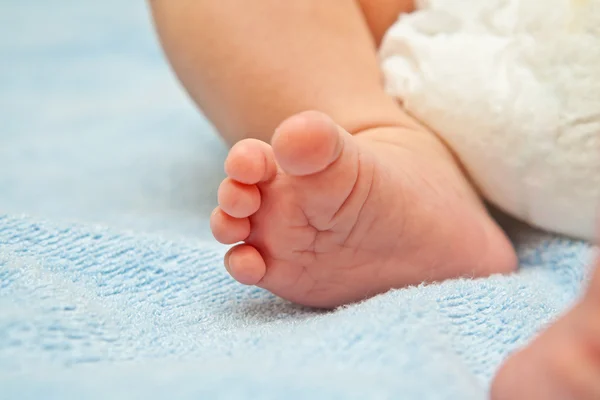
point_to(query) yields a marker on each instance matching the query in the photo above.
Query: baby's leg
(251, 64)
(563, 363)
(346, 202)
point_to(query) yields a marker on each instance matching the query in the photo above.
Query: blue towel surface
(110, 286)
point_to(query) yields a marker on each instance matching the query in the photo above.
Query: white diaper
(513, 86)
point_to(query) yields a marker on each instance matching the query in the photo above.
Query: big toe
(307, 143)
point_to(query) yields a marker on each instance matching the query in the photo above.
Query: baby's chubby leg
(250, 65)
(348, 200)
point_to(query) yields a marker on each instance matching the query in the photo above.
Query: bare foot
(329, 218)
(563, 363)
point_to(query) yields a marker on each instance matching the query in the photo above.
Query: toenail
(226, 261)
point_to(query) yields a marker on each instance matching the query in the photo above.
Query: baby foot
(563, 363)
(328, 218)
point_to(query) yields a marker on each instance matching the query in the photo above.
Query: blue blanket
(110, 286)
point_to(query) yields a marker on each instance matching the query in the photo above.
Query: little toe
(237, 199)
(228, 230)
(307, 143)
(245, 264)
(250, 161)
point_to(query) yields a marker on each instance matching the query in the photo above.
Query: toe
(327, 166)
(245, 264)
(237, 199)
(250, 161)
(228, 230)
(307, 143)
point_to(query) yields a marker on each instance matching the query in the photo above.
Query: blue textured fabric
(110, 286)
